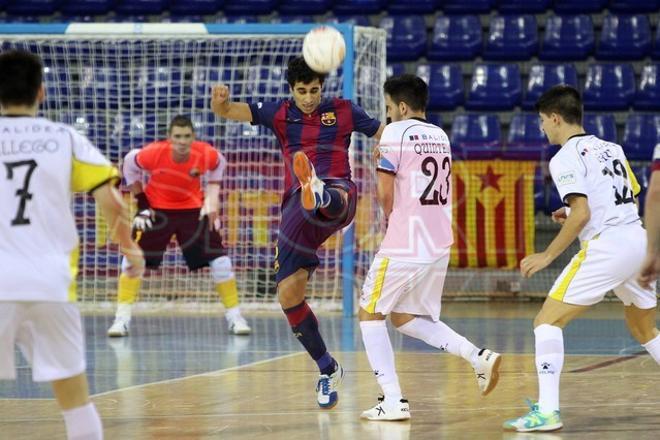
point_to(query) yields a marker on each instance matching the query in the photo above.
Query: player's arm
(211, 206)
(223, 107)
(133, 175)
(379, 133)
(386, 191)
(116, 214)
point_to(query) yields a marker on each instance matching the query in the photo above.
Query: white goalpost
(120, 84)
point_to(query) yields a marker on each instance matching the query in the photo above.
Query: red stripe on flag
(461, 220)
(481, 235)
(500, 238)
(520, 218)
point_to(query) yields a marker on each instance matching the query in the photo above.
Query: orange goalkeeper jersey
(175, 185)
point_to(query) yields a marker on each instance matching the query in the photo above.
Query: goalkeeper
(172, 204)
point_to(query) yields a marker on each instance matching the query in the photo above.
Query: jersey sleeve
(390, 151)
(213, 163)
(568, 174)
(263, 113)
(362, 122)
(146, 158)
(131, 171)
(90, 169)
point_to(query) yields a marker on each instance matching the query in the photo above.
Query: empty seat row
(45, 7)
(499, 86)
(516, 37)
(479, 136)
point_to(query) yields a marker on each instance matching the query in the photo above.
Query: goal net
(121, 84)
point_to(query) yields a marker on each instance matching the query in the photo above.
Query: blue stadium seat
(526, 140)
(100, 86)
(511, 37)
(655, 52)
(648, 92)
(634, 6)
(132, 131)
(455, 37)
(546, 197)
(522, 6)
(643, 175)
(249, 7)
(266, 81)
(395, 69)
(609, 87)
(140, 7)
(86, 7)
(195, 7)
(284, 18)
(357, 20)
(476, 136)
(155, 87)
(307, 7)
(127, 18)
(434, 118)
(445, 85)
(602, 126)
(348, 7)
(31, 7)
(640, 136)
(416, 7)
(237, 19)
(467, 7)
(494, 87)
(20, 19)
(544, 76)
(581, 6)
(84, 123)
(567, 37)
(624, 37)
(406, 37)
(183, 18)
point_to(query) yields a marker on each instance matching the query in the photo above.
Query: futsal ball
(324, 49)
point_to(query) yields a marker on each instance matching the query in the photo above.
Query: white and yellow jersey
(42, 164)
(598, 170)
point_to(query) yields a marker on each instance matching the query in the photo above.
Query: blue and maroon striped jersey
(324, 136)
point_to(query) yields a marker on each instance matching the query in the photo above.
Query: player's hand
(649, 271)
(143, 220)
(219, 98)
(559, 216)
(533, 263)
(135, 259)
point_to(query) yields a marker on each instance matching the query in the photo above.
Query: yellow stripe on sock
(128, 289)
(378, 285)
(228, 293)
(561, 289)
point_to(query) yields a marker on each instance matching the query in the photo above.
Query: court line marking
(607, 363)
(208, 373)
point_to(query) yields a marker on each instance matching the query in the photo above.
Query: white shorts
(48, 334)
(404, 287)
(609, 262)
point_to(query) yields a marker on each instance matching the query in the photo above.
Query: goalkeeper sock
(334, 205)
(127, 292)
(228, 293)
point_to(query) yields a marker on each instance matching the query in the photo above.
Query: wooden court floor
(263, 386)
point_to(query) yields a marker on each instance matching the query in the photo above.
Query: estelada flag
(493, 210)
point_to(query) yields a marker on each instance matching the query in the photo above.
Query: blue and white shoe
(326, 388)
(534, 420)
(311, 187)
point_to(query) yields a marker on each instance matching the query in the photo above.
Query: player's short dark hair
(563, 100)
(299, 71)
(21, 75)
(181, 121)
(408, 88)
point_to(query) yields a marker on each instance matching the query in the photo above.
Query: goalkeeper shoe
(534, 420)
(326, 388)
(487, 370)
(311, 187)
(119, 328)
(238, 326)
(388, 410)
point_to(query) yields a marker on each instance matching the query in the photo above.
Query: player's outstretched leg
(225, 285)
(305, 327)
(437, 334)
(127, 292)
(380, 354)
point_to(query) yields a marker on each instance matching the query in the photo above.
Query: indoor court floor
(184, 377)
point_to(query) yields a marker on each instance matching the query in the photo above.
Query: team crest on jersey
(328, 118)
(194, 172)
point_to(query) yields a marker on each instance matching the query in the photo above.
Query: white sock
(549, 362)
(381, 357)
(83, 423)
(653, 347)
(232, 313)
(439, 335)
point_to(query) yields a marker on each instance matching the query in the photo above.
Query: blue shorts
(302, 232)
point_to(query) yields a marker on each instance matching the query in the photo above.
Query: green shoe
(534, 420)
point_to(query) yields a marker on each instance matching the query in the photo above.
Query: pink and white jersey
(419, 227)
